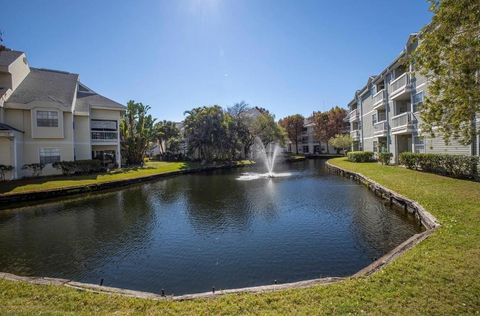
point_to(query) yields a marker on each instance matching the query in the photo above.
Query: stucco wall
(47, 132)
(19, 70)
(82, 138)
(30, 147)
(105, 114)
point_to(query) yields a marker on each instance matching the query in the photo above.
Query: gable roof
(86, 98)
(9, 56)
(46, 85)
(6, 127)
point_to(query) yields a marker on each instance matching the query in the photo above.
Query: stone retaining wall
(427, 220)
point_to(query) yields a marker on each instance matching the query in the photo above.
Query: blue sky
(287, 56)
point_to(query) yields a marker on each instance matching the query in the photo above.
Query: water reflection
(188, 233)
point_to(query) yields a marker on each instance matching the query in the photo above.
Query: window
(103, 125)
(374, 119)
(49, 155)
(375, 146)
(418, 101)
(305, 149)
(47, 119)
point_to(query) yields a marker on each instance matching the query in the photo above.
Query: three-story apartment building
(385, 114)
(308, 144)
(49, 115)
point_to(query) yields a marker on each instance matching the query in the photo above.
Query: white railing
(380, 127)
(399, 83)
(354, 115)
(104, 136)
(402, 120)
(379, 97)
(355, 134)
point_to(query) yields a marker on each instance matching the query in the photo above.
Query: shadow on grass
(55, 182)
(8, 186)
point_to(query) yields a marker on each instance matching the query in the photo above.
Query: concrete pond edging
(428, 221)
(6, 200)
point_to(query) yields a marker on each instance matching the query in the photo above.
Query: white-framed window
(47, 118)
(374, 119)
(49, 155)
(375, 146)
(418, 101)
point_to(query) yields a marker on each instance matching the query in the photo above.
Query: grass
(295, 157)
(437, 277)
(58, 182)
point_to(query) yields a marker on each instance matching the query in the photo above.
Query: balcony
(400, 88)
(104, 137)
(355, 134)
(379, 99)
(380, 129)
(354, 115)
(403, 123)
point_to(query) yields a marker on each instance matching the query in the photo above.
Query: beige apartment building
(49, 115)
(385, 114)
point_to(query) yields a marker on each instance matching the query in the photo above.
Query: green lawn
(49, 183)
(440, 276)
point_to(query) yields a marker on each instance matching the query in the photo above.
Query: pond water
(189, 233)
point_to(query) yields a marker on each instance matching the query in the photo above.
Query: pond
(189, 233)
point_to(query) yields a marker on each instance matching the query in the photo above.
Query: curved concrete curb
(427, 220)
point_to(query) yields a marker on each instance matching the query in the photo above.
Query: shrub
(409, 160)
(384, 158)
(79, 166)
(3, 170)
(458, 166)
(169, 156)
(360, 156)
(35, 168)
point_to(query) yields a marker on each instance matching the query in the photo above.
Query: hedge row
(79, 166)
(360, 156)
(458, 166)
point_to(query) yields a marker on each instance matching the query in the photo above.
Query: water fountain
(268, 155)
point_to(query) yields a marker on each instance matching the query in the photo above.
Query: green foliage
(214, 134)
(3, 170)
(35, 168)
(266, 129)
(243, 119)
(341, 141)
(136, 131)
(79, 166)
(293, 126)
(168, 136)
(448, 54)
(384, 158)
(330, 123)
(458, 166)
(206, 132)
(360, 156)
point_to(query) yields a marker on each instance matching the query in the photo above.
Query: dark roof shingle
(46, 85)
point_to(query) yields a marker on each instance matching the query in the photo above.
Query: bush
(360, 156)
(79, 166)
(36, 168)
(169, 156)
(3, 170)
(458, 166)
(384, 158)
